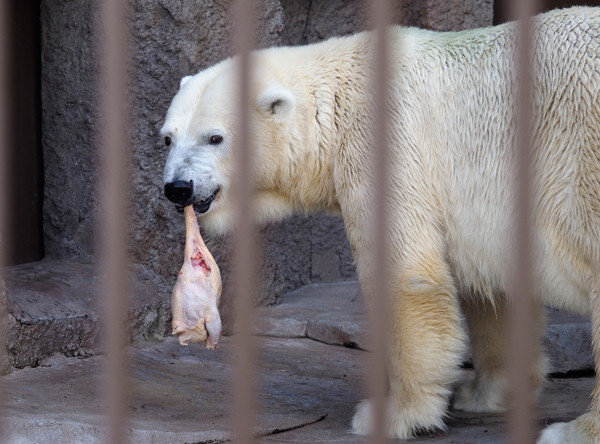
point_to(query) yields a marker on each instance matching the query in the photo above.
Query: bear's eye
(167, 141)
(215, 139)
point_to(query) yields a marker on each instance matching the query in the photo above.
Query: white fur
(583, 430)
(451, 202)
(184, 80)
(277, 101)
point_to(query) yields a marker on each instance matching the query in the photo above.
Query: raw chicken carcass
(197, 292)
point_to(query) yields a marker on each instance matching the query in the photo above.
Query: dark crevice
(351, 344)
(211, 441)
(289, 429)
(573, 374)
(268, 433)
(306, 23)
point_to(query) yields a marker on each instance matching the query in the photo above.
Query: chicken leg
(197, 292)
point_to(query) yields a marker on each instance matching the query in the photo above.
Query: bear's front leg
(425, 349)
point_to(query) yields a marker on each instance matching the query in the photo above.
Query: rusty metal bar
(244, 384)
(522, 333)
(113, 227)
(377, 384)
(4, 140)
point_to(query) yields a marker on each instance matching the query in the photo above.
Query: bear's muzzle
(180, 192)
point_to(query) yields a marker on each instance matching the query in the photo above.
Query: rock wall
(170, 39)
(5, 365)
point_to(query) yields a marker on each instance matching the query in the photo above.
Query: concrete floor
(182, 395)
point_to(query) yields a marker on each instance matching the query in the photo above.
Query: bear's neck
(331, 78)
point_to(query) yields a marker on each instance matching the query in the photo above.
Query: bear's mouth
(202, 206)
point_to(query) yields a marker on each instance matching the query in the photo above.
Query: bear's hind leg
(586, 428)
(425, 346)
(486, 323)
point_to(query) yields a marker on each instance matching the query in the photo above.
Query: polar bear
(450, 205)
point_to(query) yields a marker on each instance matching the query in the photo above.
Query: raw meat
(197, 292)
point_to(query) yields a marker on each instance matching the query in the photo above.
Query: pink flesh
(195, 249)
(199, 261)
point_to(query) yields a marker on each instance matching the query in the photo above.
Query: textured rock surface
(69, 126)
(54, 307)
(568, 342)
(307, 394)
(5, 365)
(182, 394)
(330, 313)
(170, 39)
(452, 15)
(336, 314)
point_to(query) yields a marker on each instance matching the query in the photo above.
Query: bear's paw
(403, 422)
(477, 396)
(583, 430)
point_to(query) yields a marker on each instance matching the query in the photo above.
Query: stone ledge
(568, 343)
(54, 307)
(336, 314)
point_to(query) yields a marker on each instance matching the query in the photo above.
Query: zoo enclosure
(114, 178)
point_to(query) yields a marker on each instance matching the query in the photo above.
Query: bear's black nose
(180, 192)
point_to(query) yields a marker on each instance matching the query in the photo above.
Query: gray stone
(336, 314)
(55, 307)
(568, 343)
(334, 18)
(307, 393)
(5, 366)
(69, 126)
(452, 15)
(330, 255)
(280, 327)
(323, 19)
(337, 330)
(330, 313)
(181, 394)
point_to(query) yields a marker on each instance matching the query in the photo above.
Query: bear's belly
(483, 265)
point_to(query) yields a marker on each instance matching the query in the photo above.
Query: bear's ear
(277, 101)
(184, 81)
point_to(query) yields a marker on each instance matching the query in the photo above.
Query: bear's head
(200, 131)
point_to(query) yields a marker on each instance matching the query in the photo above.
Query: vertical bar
(244, 234)
(377, 383)
(113, 186)
(5, 31)
(522, 331)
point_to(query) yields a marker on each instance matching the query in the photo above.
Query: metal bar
(377, 383)
(4, 141)
(113, 235)
(522, 331)
(244, 384)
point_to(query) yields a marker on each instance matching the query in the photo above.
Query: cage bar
(377, 383)
(244, 383)
(522, 332)
(113, 231)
